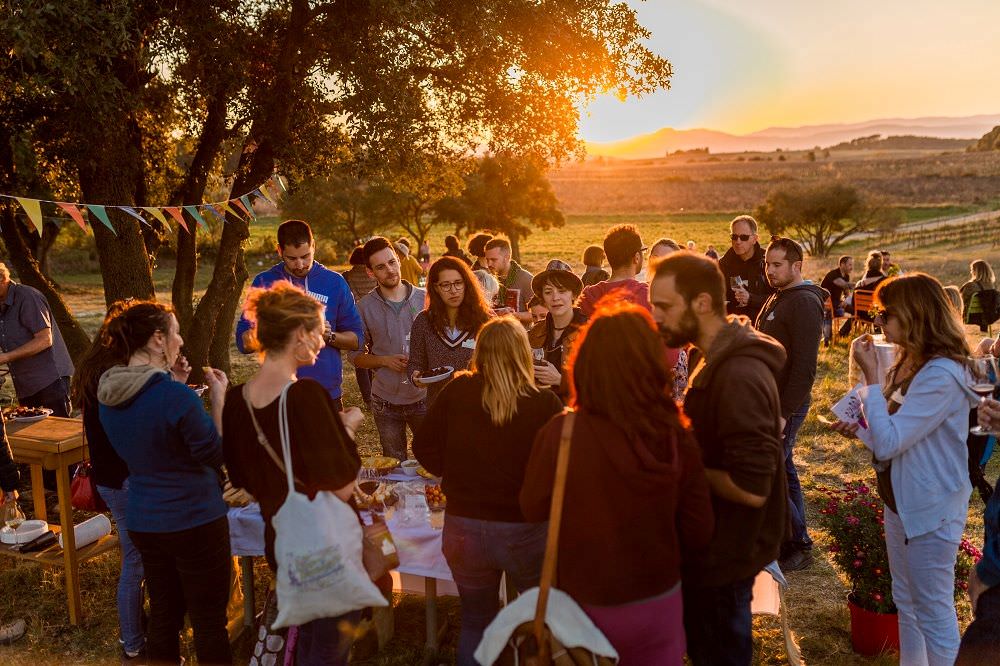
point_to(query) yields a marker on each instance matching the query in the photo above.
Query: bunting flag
(33, 207)
(75, 213)
(158, 215)
(102, 215)
(240, 207)
(176, 213)
(247, 206)
(193, 212)
(134, 213)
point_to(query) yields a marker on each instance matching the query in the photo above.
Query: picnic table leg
(69, 543)
(38, 493)
(430, 593)
(249, 605)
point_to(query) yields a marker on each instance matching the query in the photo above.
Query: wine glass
(12, 516)
(406, 353)
(538, 354)
(982, 380)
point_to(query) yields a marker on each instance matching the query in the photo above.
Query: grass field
(816, 599)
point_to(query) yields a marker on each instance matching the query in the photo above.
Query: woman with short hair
(636, 492)
(444, 334)
(477, 436)
(558, 289)
(918, 426)
(173, 449)
(593, 259)
(288, 335)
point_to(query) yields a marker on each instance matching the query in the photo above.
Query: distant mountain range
(668, 140)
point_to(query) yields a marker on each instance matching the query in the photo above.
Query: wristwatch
(330, 338)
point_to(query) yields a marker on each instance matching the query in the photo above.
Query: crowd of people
(682, 483)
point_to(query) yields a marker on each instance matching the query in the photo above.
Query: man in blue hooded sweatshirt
(343, 322)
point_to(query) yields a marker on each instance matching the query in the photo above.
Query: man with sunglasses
(793, 316)
(743, 265)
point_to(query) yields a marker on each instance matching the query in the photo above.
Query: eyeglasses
(742, 237)
(457, 285)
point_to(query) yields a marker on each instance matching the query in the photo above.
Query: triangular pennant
(280, 181)
(247, 206)
(217, 211)
(33, 207)
(134, 213)
(176, 213)
(75, 213)
(262, 190)
(196, 214)
(102, 215)
(158, 214)
(228, 209)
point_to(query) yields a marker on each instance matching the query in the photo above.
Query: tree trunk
(192, 191)
(29, 273)
(49, 233)
(515, 245)
(213, 322)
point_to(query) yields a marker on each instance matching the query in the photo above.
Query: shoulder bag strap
(286, 439)
(261, 437)
(552, 540)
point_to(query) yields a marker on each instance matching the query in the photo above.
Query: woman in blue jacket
(173, 449)
(918, 429)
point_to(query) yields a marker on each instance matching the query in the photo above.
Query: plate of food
(438, 374)
(381, 464)
(27, 414)
(198, 388)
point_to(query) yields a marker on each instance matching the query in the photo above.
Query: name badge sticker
(469, 344)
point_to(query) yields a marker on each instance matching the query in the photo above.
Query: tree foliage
(147, 102)
(823, 216)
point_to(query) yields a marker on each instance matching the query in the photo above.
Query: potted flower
(853, 518)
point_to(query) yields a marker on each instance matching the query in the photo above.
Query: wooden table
(55, 443)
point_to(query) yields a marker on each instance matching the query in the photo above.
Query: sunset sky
(741, 66)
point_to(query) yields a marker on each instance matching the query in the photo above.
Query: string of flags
(267, 191)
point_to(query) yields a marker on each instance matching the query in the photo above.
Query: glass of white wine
(983, 377)
(13, 516)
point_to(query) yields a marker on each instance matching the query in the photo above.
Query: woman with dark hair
(288, 335)
(558, 289)
(477, 436)
(173, 450)
(593, 259)
(629, 443)
(111, 477)
(452, 249)
(477, 247)
(445, 332)
(918, 426)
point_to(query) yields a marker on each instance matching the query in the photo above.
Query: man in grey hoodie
(387, 314)
(793, 315)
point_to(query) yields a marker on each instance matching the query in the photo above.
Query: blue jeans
(326, 641)
(131, 575)
(391, 421)
(478, 552)
(796, 503)
(718, 624)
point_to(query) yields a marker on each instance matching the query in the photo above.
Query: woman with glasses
(478, 436)
(558, 289)
(444, 334)
(918, 425)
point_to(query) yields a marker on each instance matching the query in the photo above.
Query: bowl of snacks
(438, 374)
(27, 414)
(435, 497)
(382, 465)
(410, 467)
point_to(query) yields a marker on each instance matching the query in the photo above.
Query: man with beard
(734, 408)
(743, 266)
(342, 322)
(793, 316)
(515, 282)
(388, 313)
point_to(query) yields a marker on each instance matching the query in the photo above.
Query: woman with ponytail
(173, 452)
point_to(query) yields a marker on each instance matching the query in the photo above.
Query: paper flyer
(850, 409)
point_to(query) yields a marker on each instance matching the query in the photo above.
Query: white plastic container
(90, 530)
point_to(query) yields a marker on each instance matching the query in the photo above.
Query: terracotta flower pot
(872, 633)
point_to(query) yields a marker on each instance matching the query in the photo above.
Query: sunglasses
(880, 314)
(742, 237)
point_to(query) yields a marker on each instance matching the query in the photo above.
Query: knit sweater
(429, 350)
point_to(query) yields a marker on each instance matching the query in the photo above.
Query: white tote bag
(317, 546)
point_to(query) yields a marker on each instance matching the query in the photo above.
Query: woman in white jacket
(919, 425)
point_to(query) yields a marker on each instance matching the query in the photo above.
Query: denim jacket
(926, 442)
